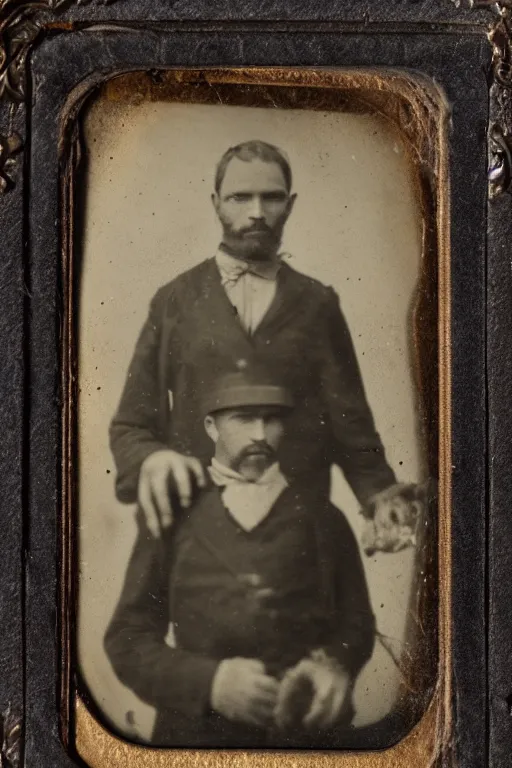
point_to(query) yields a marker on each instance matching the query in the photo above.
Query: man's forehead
(252, 176)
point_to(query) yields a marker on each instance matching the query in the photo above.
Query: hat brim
(246, 396)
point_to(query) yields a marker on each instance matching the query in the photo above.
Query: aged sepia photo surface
(251, 460)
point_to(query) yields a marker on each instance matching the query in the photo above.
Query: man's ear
(290, 204)
(211, 428)
(215, 201)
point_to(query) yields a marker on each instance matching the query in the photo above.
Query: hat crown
(249, 386)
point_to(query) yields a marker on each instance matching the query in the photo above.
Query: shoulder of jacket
(184, 282)
(315, 287)
(332, 527)
(311, 494)
(200, 496)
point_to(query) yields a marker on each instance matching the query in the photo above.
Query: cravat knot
(232, 269)
(248, 503)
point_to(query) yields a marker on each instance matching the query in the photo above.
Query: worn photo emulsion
(256, 502)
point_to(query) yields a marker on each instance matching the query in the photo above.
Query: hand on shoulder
(161, 471)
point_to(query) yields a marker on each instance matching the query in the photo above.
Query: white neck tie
(248, 503)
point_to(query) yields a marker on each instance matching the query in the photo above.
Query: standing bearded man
(244, 306)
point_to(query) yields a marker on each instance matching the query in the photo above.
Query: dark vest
(257, 594)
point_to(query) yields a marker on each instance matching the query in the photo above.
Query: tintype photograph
(254, 484)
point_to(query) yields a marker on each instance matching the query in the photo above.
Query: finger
(316, 714)
(258, 719)
(263, 714)
(265, 592)
(267, 685)
(384, 520)
(336, 707)
(182, 479)
(396, 518)
(303, 667)
(254, 665)
(160, 493)
(247, 716)
(146, 504)
(329, 712)
(257, 712)
(265, 701)
(197, 468)
(318, 706)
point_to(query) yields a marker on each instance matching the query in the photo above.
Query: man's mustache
(256, 449)
(258, 228)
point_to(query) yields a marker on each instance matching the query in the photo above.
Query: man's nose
(258, 430)
(256, 208)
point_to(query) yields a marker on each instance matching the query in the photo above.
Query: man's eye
(243, 417)
(275, 197)
(239, 198)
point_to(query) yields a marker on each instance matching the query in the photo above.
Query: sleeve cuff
(189, 686)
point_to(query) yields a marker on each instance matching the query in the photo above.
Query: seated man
(262, 582)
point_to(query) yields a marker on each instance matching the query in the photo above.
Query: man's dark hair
(254, 150)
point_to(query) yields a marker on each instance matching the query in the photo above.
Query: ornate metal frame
(485, 734)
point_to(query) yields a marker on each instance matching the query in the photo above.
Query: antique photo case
(256, 353)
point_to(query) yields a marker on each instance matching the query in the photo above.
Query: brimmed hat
(246, 387)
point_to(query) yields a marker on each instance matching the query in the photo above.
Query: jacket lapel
(214, 301)
(210, 521)
(290, 287)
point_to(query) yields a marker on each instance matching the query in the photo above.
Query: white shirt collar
(232, 268)
(248, 503)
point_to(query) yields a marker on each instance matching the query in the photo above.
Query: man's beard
(262, 245)
(255, 459)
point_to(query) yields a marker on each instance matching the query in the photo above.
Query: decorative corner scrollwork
(500, 161)
(500, 37)
(10, 740)
(21, 21)
(20, 24)
(9, 148)
(500, 129)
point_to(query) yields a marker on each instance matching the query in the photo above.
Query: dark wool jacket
(293, 584)
(193, 335)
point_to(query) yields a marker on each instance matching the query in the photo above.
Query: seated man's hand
(313, 693)
(241, 691)
(159, 470)
(392, 517)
